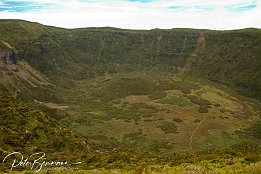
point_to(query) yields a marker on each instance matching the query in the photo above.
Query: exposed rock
(8, 54)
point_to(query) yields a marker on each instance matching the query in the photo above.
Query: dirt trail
(193, 133)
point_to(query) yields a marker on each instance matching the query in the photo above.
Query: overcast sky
(137, 14)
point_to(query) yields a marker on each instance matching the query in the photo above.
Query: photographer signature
(35, 161)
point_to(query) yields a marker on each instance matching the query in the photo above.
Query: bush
(197, 121)
(177, 120)
(203, 109)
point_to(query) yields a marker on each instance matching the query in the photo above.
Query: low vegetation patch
(174, 100)
(168, 127)
(197, 121)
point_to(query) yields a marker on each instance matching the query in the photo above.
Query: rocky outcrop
(8, 54)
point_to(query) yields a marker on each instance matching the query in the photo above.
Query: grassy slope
(26, 130)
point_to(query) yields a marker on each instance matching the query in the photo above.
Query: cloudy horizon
(137, 14)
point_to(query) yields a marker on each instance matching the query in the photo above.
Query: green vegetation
(168, 127)
(27, 130)
(197, 121)
(157, 95)
(203, 109)
(119, 90)
(78, 53)
(232, 58)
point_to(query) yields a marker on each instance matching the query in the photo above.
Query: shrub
(177, 120)
(197, 121)
(203, 109)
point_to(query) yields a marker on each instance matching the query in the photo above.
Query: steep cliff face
(8, 54)
(16, 73)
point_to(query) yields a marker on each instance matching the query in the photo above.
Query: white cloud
(135, 15)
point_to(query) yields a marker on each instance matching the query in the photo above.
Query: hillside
(28, 131)
(139, 97)
(228, 57)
